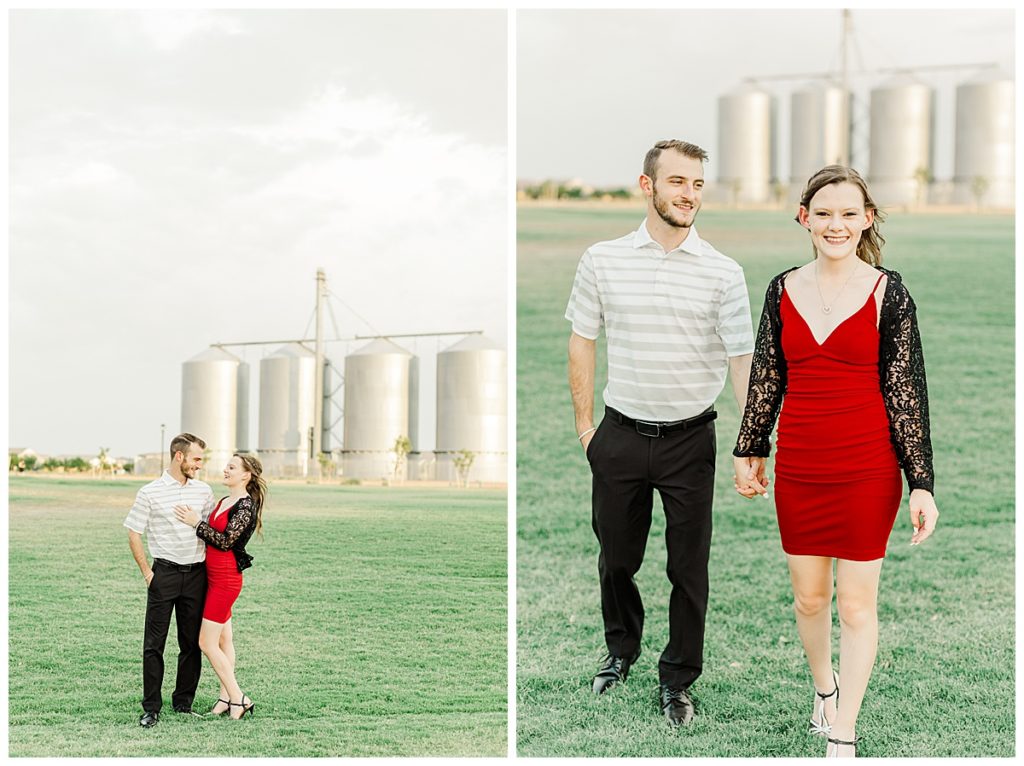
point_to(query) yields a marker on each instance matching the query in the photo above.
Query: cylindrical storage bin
(287, 399)
(209, 405)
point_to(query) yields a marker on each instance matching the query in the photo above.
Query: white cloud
(169, 30)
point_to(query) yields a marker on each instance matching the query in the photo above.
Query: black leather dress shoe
(149, 719)
(613, 670)
(182, 708)
(676, 704)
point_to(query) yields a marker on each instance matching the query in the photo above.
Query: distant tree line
(557, 190)
(56, 465)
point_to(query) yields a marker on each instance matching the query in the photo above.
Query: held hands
(923, 515)
(749, 477)
(186, 515)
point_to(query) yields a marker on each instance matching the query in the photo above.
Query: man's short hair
(180, 443)
(683, 147)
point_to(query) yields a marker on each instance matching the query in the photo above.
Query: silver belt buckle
(655, 434)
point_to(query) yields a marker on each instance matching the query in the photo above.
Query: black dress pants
(181, 589)
(627, 468)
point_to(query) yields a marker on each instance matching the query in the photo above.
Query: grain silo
(287, 398)
(211, 383)
(900, 142)
(746, 154)
(472, 410)
(381, 405)
(984, 162)
(819, 131)
(242, 409)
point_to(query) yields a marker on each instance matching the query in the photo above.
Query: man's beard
(664, 209)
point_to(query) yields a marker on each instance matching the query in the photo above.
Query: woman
(231, 524)
(838, 350)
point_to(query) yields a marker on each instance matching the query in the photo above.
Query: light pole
(162, 427)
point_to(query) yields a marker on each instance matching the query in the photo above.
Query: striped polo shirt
(671, 320)
(153, 516)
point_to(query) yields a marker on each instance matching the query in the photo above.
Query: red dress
(223, 580)
(837, 482)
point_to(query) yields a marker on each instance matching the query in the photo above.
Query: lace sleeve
(239, 522)
(767, 379)
(904, 388)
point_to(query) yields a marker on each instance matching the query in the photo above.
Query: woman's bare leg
(209, 641)
(857, 598)
(811, 577)
(228, 647)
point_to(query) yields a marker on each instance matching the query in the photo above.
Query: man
(676, 316)
(177, 578)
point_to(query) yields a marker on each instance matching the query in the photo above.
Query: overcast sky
(178, 177)
(597, 88)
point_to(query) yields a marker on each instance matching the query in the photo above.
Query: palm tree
(401, 448)
(923, 176)
(979, 187)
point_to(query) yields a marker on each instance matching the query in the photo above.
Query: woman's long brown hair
(257, 486)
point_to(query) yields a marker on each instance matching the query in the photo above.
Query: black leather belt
(179, 567)
(660, 430)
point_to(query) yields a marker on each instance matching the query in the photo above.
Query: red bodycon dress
(224, 581)
(837, 481)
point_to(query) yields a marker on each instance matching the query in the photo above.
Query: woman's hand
(923, 515)
(186, 515)
(749, 477)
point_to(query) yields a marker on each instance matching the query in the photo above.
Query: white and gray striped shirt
(672, 320)
(153, 516)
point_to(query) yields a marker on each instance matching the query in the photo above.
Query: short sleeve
(584, 309)
(734, 325)
(138, 517)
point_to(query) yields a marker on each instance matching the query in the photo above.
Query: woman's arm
(767, 380)
(905, 389)
(236, 527)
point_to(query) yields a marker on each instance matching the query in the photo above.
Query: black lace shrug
(901, 373)
(241, 524)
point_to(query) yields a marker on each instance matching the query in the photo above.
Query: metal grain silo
(287, 399)
(819, 131)
(472, 409)
(984, 162)
(381, 396)
(242, 413)
(209, 404)
(900, 141)
(746, 155)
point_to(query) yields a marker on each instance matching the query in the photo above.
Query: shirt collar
(168, 479)
(692, 244)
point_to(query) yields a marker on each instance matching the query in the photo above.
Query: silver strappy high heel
(822, 725)
(837, 742)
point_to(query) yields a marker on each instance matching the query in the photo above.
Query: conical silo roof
(380, 346)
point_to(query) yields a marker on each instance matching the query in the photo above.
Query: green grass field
(373, 622)
(944, 680)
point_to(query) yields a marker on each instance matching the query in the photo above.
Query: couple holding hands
(837, 361)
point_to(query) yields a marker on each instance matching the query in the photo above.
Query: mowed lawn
(373, 622)
(944, 680)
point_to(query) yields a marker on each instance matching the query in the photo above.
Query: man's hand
(149, 577)
(587, 438)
